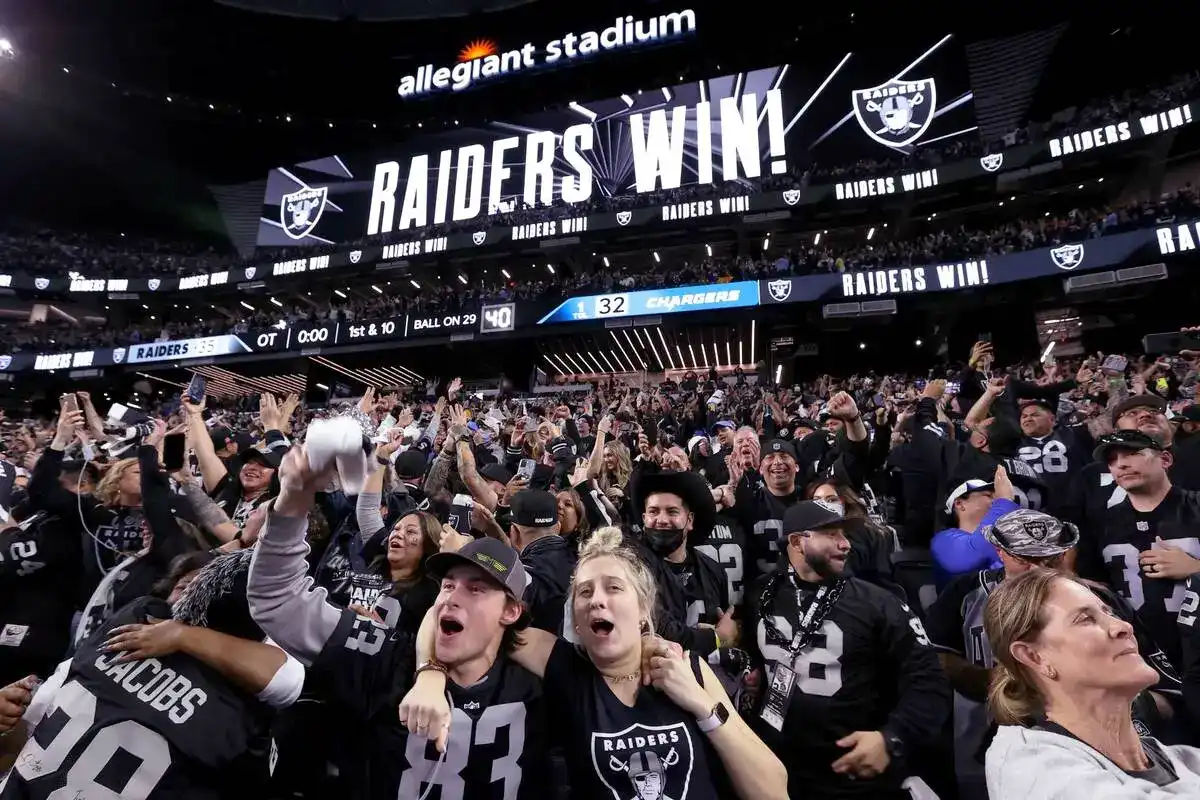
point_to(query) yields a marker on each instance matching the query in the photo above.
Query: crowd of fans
(831, 255)
(977, 582)
(59, 253)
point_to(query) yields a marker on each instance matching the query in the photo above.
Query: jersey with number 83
(497, 745)
(869, 665)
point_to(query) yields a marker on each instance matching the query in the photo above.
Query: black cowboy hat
(689, 487)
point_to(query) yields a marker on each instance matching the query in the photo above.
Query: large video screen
(766, 124)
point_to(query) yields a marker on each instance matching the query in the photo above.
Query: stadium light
(377, 289)
(666, 94)
(504, 272)
(606, 261)
(578, 109)
(871, 233)
(276, 303)
(340, 293)
(551, 268)
(628, 100)
(657, 260)
(462, 280)
(415, 285)
(246, 305)
(708, 250)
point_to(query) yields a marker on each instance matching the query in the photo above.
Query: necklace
(632, 676)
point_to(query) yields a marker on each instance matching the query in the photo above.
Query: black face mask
(664, 541)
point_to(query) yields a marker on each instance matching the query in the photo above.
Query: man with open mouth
(495, 746)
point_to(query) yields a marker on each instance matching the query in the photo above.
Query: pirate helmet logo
(791, 196)
(300, 211)
(644, 762)
(355, 255)
(251, 272)
(5, 362)
(992, 161)
(780, 290)
(623, 217)
(1067, 256)
(118, 355)
(153, 284)
(479, 237)
(1036, 529)
(896, 113)
(41, 283)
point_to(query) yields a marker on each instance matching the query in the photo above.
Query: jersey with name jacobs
(159, 728)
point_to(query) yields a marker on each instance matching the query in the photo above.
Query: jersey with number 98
(156, 729)
(497, 746)
(869, 663)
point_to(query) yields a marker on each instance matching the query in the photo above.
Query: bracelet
(433, 666)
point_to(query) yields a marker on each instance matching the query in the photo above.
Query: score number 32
(612, 305)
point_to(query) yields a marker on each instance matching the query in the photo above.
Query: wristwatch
(718, 717)
(894, 744)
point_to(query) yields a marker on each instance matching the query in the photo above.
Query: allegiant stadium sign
(481, 61)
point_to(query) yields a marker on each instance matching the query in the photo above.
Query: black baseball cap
(494, 557)
(534, 508)
(1049, 405)
(222, 437)
(778, 446)
(1189, 414)
(562, 448)
(1152, 401)
(267, 456)
(410, 464)
(1123, 440)
(815, 515)
(495, 472)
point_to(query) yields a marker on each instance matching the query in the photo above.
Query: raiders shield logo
(644, 762)
(41, 283)
(992, 161)
(153, 284)
(780, 290)
(5, 362)
(623, 217)
(896, 113)
(251, 272)
(299, 212)
(1036, 529)
(479, 237)
(355, 255)
(1067, 256)
(118, 355)
(791, 196)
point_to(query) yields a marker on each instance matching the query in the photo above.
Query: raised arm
(282, 598)
(212, 468)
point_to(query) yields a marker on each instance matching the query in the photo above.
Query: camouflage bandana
(1031, 534)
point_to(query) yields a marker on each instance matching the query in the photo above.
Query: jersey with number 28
(497, 745)
(165, 728)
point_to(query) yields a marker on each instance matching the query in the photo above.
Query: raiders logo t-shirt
(651, 751)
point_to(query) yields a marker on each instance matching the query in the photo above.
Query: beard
(827, 567)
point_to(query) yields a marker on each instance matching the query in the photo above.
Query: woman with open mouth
(638, 717)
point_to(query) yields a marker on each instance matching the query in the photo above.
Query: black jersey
(869, 666)
(726, 545)
(616, 752)
(40, 567)
(497, 744)
(1057, 458)
(1128, 533)
(761, 515)
(1189, 635)
(156, 729)
(705, 591)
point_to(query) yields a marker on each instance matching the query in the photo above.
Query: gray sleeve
(431, 431)
(366, 509)
(208, 513)
(281, 595)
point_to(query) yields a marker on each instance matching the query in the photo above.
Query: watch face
(722, 713)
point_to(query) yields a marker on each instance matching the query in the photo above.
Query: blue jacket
(958, 552)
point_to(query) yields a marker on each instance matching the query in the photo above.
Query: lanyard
(812, 615)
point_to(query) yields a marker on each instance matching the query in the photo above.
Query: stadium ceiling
(374, 10)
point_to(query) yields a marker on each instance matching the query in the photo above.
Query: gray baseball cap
(1032, 534)
(497, 559)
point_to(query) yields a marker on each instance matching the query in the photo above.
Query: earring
(644, 627)
(1051, 673)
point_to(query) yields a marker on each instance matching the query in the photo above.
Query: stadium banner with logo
(1106, 252)
(870, 284)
